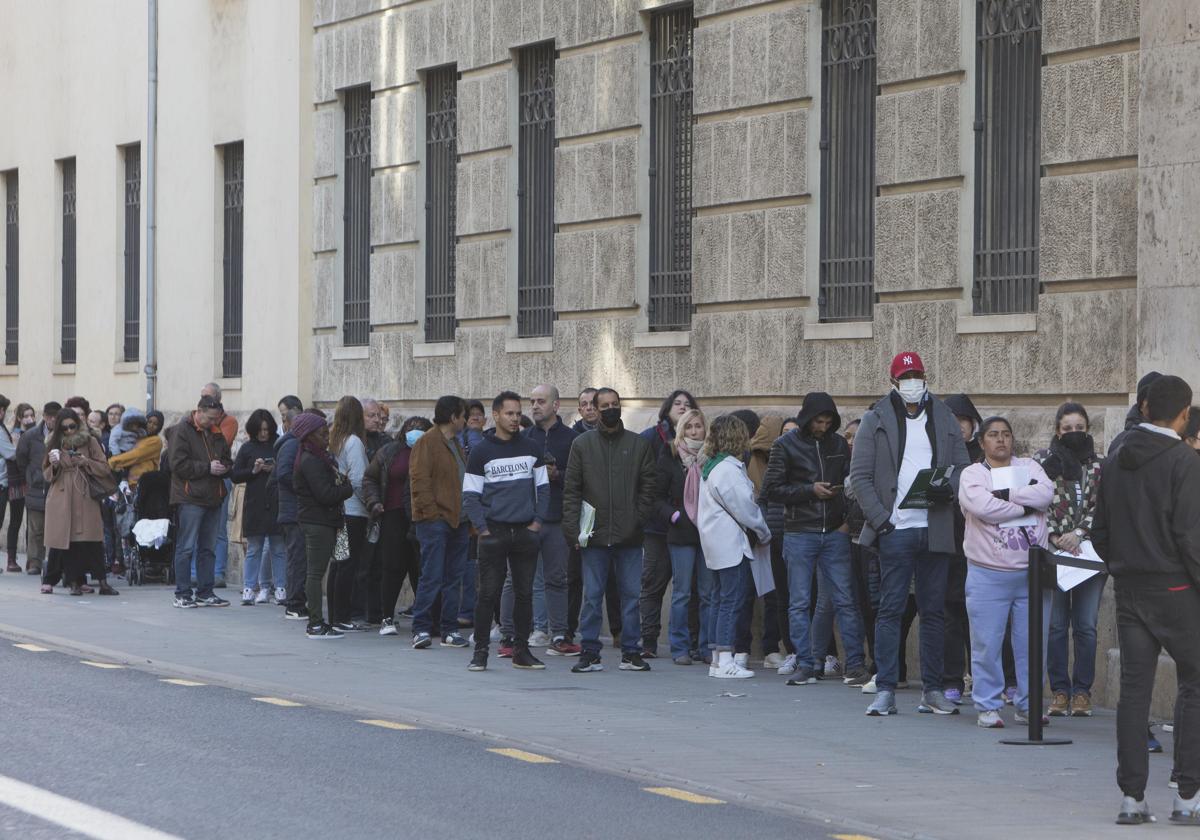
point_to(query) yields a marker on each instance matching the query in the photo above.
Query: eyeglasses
(69, 427)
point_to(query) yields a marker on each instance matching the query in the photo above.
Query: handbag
(341, 546)
(101, 486)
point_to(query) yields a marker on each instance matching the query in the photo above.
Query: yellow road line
(851, 837)
(31, 648)
(107, 665)
(187, 683)
(521, 755)
(684, 795)
(277, 701)
(387, 724)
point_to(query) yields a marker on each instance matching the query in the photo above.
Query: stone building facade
(755, 337)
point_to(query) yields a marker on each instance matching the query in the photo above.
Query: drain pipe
(151, 205)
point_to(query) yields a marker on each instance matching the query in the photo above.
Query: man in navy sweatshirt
(506, 495)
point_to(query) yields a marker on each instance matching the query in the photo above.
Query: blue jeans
(256, 549)
(829, 554)
(993, 598)
(687, 561)
(729, 598)
(443, 558)
(627, 564)
(1076, 610)
(549, 602)
(195, 538)
(466, 602)
(221, 548)
(903, 554)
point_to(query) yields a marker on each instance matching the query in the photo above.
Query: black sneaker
(857, 677)
(296, 613)
(804, 676)
(348, 627)
(212, 601)
(185, 602)
(633, 662)
(478, 661)
(524, 659)
(323, 631)
(587, 663)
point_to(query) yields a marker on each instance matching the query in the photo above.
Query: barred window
(12, 266)
(68, 330)
(1008, 102)
(356, 218)
(234, 158)
(441, 187)
(671, 170)
(133, 250)
(535, 192)
(847, 284)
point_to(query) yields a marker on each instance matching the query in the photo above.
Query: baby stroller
(152, 531)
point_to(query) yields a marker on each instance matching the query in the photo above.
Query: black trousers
(16, 509)
(365, 598)
(656, 576)
(297, 564)
(507, 549)
(398, 559)
(340, 585)
(1147, 622)
(612, 597)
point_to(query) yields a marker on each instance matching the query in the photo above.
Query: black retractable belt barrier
(1039, 561)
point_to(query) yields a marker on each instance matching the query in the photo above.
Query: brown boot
(12, 563)
(1060, 706)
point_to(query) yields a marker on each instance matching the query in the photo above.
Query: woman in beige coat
(74, 528)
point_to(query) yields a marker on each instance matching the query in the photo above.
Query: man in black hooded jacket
(1147, 530)
(1135, 417)
(806, 472)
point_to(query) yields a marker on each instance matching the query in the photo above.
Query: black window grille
(133, 250)
(356, 218)
(1008, 104)
(847, 284)
(12, 266)
(441, 187)
(67, 349)
(231, 262)
(535, 193)
(671, 169)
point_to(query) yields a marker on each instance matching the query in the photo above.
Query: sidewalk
(807, 750)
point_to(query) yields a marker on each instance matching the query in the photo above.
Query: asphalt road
(202, 761)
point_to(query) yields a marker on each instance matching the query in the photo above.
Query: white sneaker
(495, 634)
(773, 660)
(388, 628)
(714, 669)
(263, 596)
(539, 638)
(833, 668)
(788, 667)
(732, 671)
(280, 595)
(870, 688)
(742, 659)
(990, 720)
(247, 597)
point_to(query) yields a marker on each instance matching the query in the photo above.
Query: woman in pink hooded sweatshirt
(1004, 500)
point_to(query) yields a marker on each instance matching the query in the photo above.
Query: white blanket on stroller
(151, 533)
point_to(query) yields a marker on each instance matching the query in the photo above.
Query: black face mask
(1078, 443)
(610, 416)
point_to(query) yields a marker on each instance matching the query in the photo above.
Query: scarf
(1066, 463)
(712, 462)
(302, 429)
(692, 464)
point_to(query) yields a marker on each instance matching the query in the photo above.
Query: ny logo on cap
(908, 360)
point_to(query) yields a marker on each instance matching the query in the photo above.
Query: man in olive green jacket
(613, 470)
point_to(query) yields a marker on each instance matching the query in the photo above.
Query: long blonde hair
(727, 435)
(688, 416)
(347, 421)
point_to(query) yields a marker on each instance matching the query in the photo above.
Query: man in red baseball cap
(907, 431)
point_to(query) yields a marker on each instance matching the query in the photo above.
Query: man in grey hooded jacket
(905, 432)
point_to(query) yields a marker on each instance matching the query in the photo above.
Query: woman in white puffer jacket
(726, 511)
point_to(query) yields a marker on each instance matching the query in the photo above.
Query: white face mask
(912, 391)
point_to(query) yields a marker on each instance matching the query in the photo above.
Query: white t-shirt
(918, 455)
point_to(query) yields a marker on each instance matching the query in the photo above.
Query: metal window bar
(847, 258)
(535, 193)
(356, 218)
(1008, 60)
(670, 304)
(12, 266)
(441, 188)
(231, 262)
(133, 251)
(68, 336)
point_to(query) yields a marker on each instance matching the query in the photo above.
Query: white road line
(76, 816)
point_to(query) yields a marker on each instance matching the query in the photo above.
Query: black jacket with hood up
(798, 461)
(1147, 520)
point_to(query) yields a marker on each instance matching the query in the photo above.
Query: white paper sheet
(760, 569)
(1012, 478)
(1069, 576)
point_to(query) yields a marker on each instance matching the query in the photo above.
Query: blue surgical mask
(412, 436)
